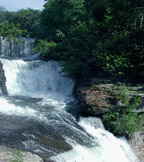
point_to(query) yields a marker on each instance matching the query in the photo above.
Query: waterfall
(37, 79)
(107, 149)
(33, 116)
(17, 47)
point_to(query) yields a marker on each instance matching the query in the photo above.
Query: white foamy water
(8, 108)
(108, 148)
(38, 79)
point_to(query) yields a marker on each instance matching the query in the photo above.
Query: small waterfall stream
(33, 117)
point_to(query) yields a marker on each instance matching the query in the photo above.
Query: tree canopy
(89, 36)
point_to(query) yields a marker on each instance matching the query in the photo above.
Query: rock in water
(3, 87)
(137, 143)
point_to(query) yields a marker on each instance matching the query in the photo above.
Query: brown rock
(95, 99)
(137, 143)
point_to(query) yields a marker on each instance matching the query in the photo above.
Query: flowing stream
(33, 117)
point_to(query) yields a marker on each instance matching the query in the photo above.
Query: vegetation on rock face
(123, 118)
(117, 104)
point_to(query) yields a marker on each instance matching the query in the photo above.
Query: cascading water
(18, 47)
(33, 117)
(107, 149)
(37, 79)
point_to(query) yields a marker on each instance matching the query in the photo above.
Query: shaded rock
(9, 155)
(95, 99)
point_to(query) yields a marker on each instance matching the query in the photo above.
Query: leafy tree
(11, 30)
(28, 19)
(62, 16)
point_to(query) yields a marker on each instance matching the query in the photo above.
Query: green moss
(17, 156)
(60, 144)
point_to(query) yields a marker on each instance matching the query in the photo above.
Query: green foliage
(115, 64)
(91, 36)
(62, 15)
(121, 93)
(123, 119)
(28, 19)
(25, 19)
(11, 30)
(45, 48)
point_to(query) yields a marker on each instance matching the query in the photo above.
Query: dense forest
(90, 37)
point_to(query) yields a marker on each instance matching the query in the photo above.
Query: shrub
(123, 120)
(45, 48)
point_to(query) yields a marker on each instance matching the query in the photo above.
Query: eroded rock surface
(13, 155)
(137, 143)
(95, 99)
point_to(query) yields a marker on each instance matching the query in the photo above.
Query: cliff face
(16, 47)
(95, 98)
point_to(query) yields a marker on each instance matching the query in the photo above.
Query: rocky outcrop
(137, 143)
(95, 99)
(13, 155)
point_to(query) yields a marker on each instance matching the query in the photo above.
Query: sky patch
(14, 5)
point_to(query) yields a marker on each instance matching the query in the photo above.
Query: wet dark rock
(44, 134)
(3, 87)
